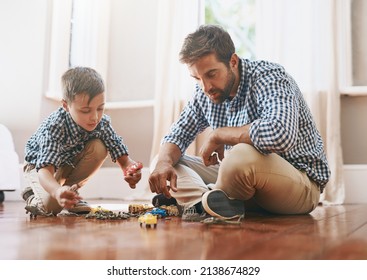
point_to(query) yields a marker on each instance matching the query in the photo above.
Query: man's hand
(212, 152)
(163, 179)
(213, 149)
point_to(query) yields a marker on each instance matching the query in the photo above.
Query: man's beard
(224, 93)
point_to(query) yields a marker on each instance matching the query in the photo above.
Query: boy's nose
(94, 116)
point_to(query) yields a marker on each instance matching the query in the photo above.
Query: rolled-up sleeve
(114, 143)
(190, 123)
(277, 128)
(49, 152)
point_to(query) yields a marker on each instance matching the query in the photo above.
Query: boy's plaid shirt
(59, 139)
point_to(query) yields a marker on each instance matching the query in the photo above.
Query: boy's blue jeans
(85, 165)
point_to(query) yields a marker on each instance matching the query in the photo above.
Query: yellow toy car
(148, 219)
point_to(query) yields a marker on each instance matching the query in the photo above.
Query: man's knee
(243, 155)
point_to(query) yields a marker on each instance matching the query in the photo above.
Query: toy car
(34, 212)
(158, 212)
(148, 219)
(139, 208)
(133, 168)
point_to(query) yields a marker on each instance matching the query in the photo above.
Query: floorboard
(328, 233)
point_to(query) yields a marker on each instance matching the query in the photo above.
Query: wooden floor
(328, 233)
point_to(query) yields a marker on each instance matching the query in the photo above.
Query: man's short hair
(207, 39)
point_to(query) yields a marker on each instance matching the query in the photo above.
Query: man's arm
(220, 137)
(163, 178)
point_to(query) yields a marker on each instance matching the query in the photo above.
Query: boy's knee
(97, 148)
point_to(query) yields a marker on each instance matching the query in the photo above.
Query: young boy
(71, 145)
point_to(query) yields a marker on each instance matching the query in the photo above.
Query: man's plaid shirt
(269, 99)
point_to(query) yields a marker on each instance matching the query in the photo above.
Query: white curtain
(302, 36)
(176, 19)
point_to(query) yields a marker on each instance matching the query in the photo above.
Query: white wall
(132, 48)
(22, 48)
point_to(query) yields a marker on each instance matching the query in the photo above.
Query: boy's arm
(131, 170)
(64, 195)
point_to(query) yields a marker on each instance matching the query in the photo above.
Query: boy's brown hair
(81, 80)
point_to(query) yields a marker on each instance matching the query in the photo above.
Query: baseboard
(107, 183)
(355, 176)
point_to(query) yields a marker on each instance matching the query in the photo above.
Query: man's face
(84, 113)
(217, 80)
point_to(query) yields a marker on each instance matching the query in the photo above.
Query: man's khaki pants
(265, 181)
(85, 165)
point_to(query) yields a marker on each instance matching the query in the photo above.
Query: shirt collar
(240, 92)
(73, 127)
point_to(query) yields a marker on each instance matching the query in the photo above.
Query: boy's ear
(65, 105)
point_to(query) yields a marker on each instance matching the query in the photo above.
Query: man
(264, 149)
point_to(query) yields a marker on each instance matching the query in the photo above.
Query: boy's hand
(133, 168)
(132, 174)
(67, 197)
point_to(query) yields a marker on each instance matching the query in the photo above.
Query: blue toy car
(158, 212)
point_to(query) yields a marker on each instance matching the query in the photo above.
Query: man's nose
(207, 86)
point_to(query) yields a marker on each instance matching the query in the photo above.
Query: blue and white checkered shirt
(59, 139)
(281, 121)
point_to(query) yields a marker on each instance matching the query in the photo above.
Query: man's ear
(234, 61)
(65, 105)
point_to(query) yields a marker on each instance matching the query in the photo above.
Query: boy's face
(84, 113)
(218, 81)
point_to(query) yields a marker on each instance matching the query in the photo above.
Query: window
(353, 87)
(238, 17)
(109, 36)
(359, 42)
(353, 48)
